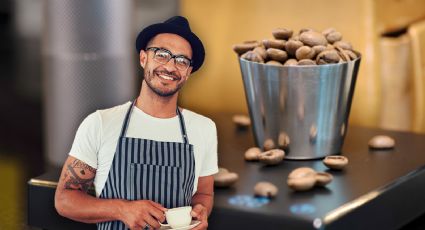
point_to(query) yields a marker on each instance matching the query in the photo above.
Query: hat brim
(198, 51)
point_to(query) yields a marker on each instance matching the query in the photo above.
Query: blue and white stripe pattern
(142, 169)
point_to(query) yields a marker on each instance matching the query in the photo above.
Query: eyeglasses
(163, 56)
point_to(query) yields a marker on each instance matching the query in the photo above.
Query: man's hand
(137, 214)
(199, 212)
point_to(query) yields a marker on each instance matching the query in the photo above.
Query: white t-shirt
(97, 137)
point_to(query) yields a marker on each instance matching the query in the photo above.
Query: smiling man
(149, 155)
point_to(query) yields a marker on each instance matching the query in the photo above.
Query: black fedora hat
(175, 25)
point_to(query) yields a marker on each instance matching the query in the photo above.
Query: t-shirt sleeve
(87, 140)
(210, 162)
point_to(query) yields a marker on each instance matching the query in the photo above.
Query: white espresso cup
(178, 217)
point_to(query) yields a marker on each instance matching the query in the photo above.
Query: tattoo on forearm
(79, 176)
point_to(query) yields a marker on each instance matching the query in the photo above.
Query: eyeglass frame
(172, 56)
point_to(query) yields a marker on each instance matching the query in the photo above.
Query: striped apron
(142, 169)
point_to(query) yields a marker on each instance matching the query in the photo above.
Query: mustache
(165, 72)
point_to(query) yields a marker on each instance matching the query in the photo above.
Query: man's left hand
(199, 212)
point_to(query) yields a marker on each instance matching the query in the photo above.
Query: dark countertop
(377, 189)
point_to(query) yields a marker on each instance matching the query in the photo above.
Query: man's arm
(202, 201)
(72, 200)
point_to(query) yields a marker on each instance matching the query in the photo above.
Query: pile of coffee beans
(308, 47)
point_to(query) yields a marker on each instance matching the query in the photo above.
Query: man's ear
(189, 72)
(143, 57)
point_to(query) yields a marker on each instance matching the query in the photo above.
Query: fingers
(157, 211)
(157, 214)
(198, 208)
(158, 206)
(142, 212)
(138, 226)
(197, 211)
(194, 214)
(152, 222)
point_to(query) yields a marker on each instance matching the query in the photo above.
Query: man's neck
(155, 105)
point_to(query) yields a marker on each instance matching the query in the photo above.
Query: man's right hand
(137, 214)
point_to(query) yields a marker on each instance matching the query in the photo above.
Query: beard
(162, 91)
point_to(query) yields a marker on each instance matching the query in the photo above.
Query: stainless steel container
(307, 106)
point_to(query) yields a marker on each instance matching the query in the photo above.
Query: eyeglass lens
(163, 57)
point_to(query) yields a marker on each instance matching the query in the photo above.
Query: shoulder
(114, 110)
(102, 119)
(198, 120)
(109, 115)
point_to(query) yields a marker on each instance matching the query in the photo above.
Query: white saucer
(192, 225)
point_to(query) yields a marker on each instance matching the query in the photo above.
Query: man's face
(165, 79)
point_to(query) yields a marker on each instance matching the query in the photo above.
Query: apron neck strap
(128, 115)
(182, 126)
(127, 119)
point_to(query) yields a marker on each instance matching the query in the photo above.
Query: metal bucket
(305, 106)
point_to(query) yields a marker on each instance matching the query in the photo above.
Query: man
(146, 156)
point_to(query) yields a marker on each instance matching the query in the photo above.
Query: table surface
(380, 187)
(370, 175)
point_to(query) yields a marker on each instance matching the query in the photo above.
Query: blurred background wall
(86, 65)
